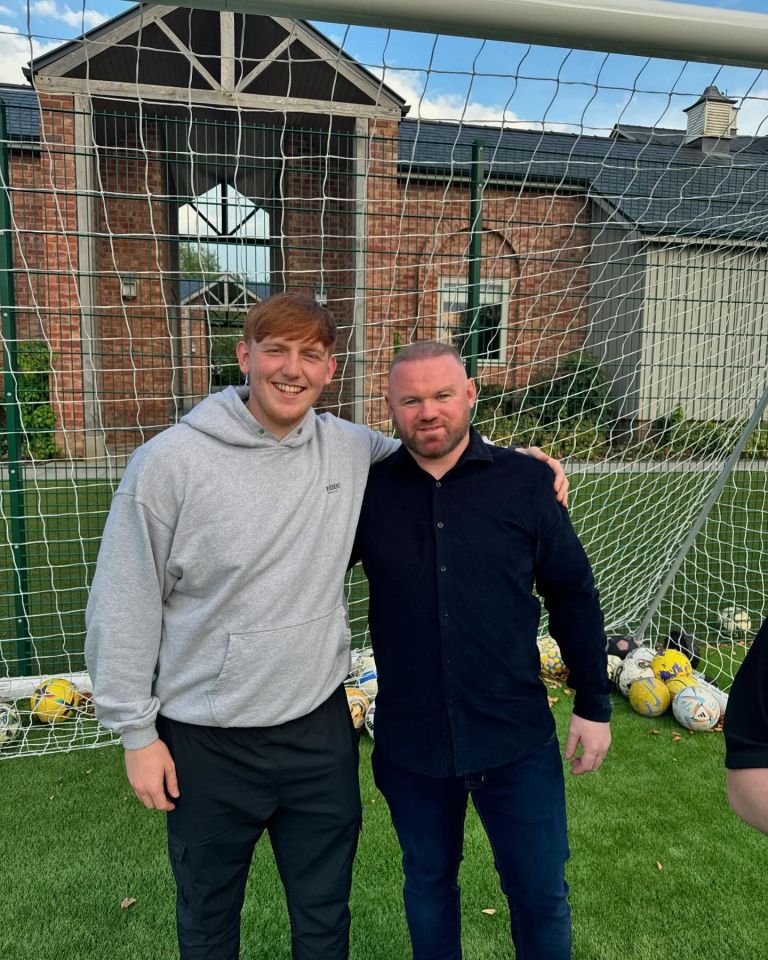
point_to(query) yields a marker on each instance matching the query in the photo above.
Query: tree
(197, 261)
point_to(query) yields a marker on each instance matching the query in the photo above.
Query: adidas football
(695, 708)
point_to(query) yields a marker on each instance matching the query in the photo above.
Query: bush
(38, 420)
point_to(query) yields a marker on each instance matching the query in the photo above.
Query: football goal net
(573, 194)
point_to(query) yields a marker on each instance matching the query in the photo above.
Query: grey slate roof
(22, 114)
(660, 187)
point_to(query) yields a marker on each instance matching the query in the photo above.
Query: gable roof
(164, 53)
(657, 185)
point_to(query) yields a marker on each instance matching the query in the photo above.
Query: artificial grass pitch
(660, 867)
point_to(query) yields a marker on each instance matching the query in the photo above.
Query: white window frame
(491, 291)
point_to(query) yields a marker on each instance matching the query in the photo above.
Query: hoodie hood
(225, 417)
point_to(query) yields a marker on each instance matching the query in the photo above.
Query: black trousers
(298, 781)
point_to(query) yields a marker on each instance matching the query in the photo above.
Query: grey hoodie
(218, 597)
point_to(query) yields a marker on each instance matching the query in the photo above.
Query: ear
(389, 403)
(243, 355)
(471, 392)
(331, 369)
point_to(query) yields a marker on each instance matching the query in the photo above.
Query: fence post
(16, 511)
(475, 253)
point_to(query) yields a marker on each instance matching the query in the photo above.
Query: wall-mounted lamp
(129, 287)
(321, 295)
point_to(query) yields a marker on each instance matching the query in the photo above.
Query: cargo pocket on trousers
(177, 854)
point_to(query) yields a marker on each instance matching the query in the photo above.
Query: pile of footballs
(362, 685)
(54, 701)
(653, 680)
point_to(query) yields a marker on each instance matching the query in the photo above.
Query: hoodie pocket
(270, 676)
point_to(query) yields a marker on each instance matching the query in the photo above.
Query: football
(678, 683)
(613, 664)
(10, 723)
(369, 713)
(629, 672)
(686, 643)
(649, 696)
(695, 708)
(367, 679)
(671, 663)
(642, 654)
(733, 621)
(620, 645)
(552, 664)
(358, 703)
(54, 700)
(717, 694)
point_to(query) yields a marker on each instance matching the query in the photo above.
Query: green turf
(623, 519)
(74, 843)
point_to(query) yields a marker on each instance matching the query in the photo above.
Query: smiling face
(430, 401)
(286, 377)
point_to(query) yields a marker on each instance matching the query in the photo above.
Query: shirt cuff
(592, 706)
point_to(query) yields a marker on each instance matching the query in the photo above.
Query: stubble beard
(453, 437)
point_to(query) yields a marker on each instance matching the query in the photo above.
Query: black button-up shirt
(451, 565)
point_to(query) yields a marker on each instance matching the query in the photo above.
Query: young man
(218, 640)
(746, 736)
(453, 535)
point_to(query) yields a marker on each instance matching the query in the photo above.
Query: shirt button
(438, 484)
(445, 614)
(440, 524)
(443, 568)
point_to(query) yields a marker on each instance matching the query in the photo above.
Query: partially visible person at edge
(453, 536)
(217, 636)
(746, 736)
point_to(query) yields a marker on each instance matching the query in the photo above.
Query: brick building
(257, 145)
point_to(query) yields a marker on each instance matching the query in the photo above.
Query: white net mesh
(589, 229)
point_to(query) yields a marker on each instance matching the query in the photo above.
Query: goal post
(575, 195)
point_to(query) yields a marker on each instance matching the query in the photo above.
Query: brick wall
(536, 242)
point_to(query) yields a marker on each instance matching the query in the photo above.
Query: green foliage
(38, 419)
(575, 391)
(196, 261)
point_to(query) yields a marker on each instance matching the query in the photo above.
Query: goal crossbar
(675, 30)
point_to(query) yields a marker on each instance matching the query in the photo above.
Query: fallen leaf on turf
(676, 737)
(659, 865)
(127, 902)
(654, 731)
(489, 910)
(567, 692)
(552, 700)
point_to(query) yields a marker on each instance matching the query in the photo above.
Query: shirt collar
(476, 449)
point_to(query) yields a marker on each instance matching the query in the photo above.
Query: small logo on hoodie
(332, 487)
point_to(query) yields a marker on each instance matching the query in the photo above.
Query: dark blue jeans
(522, 808)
